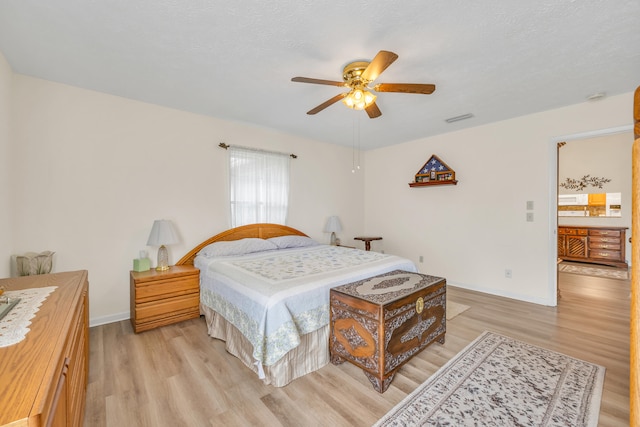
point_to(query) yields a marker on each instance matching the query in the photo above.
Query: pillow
(237, 247)
(283, 242)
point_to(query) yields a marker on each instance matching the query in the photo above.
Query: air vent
(596, 96)
(458, 118)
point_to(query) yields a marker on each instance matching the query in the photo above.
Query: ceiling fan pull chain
(358, 162)
(353, 145)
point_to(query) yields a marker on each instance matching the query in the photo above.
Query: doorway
(622, 133)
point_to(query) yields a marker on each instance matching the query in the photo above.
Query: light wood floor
(178, 376)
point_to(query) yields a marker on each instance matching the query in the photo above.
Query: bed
(264, 290)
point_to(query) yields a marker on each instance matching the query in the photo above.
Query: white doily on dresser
(15, 325)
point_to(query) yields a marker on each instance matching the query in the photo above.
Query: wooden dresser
(43, 378)
(599, 245)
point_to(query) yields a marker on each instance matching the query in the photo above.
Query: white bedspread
(275, 297)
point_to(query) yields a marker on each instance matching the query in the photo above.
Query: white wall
(92, 172)
(472, 232)
(606, 156)
(6, 239)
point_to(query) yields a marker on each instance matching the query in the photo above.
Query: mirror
(590, 205)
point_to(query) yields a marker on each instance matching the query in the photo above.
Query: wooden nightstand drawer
(166, 308)
(160, 289)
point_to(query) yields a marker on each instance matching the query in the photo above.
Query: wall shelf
(434, 172)
(426, 184)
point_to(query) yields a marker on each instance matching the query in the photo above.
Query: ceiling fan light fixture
(357, 77)
(359, 99)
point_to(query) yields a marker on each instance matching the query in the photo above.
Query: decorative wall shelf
(434, 172)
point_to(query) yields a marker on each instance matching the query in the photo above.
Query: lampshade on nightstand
(162, 233)
(333, 226)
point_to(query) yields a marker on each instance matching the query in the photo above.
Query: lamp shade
(162, 233)
(333, 225)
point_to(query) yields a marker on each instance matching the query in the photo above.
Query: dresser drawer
(573, 231)
(605, 233)
(160, 289)
(604, 243)
(605, 254)
(605, 240)
(569, 231)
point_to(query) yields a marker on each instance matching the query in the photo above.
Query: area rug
(455, 308)
(499, 381)
(608, 273)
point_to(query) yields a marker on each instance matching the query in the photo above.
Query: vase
(31, 263)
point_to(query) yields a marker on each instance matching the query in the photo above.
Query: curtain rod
(225, 146)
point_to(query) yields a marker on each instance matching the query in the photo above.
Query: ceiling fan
(357, 76)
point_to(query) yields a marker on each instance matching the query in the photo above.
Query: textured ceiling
(496, 59)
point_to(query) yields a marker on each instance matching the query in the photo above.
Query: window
(259, 186)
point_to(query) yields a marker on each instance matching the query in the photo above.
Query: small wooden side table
(161, 298)
(367, 241)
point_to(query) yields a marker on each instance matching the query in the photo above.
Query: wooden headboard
(261, 231)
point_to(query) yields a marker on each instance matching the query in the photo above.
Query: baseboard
(509, 295)
(112, 318)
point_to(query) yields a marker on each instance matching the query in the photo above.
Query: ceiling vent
(458, 118)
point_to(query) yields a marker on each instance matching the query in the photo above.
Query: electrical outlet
(529, 216)
(421, 258)
(507, 273)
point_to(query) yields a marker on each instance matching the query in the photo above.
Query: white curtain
(259, 186)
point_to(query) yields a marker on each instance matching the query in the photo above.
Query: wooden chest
(381, 322)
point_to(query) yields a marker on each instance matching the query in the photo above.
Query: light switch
(529, 205)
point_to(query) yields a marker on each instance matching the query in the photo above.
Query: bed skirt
(311, 355)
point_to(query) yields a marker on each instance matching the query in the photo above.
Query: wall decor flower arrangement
(585, 181)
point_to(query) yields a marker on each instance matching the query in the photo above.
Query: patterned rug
(499, 381)
(609, 273)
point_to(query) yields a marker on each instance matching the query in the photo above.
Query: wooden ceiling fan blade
(405, 88)
(373, 111)
(317, 81)
(327, 103)
(380, 63)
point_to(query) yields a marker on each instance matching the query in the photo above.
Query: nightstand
(161, 298)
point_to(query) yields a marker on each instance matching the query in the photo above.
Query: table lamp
(333, 226)
(162, 233)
